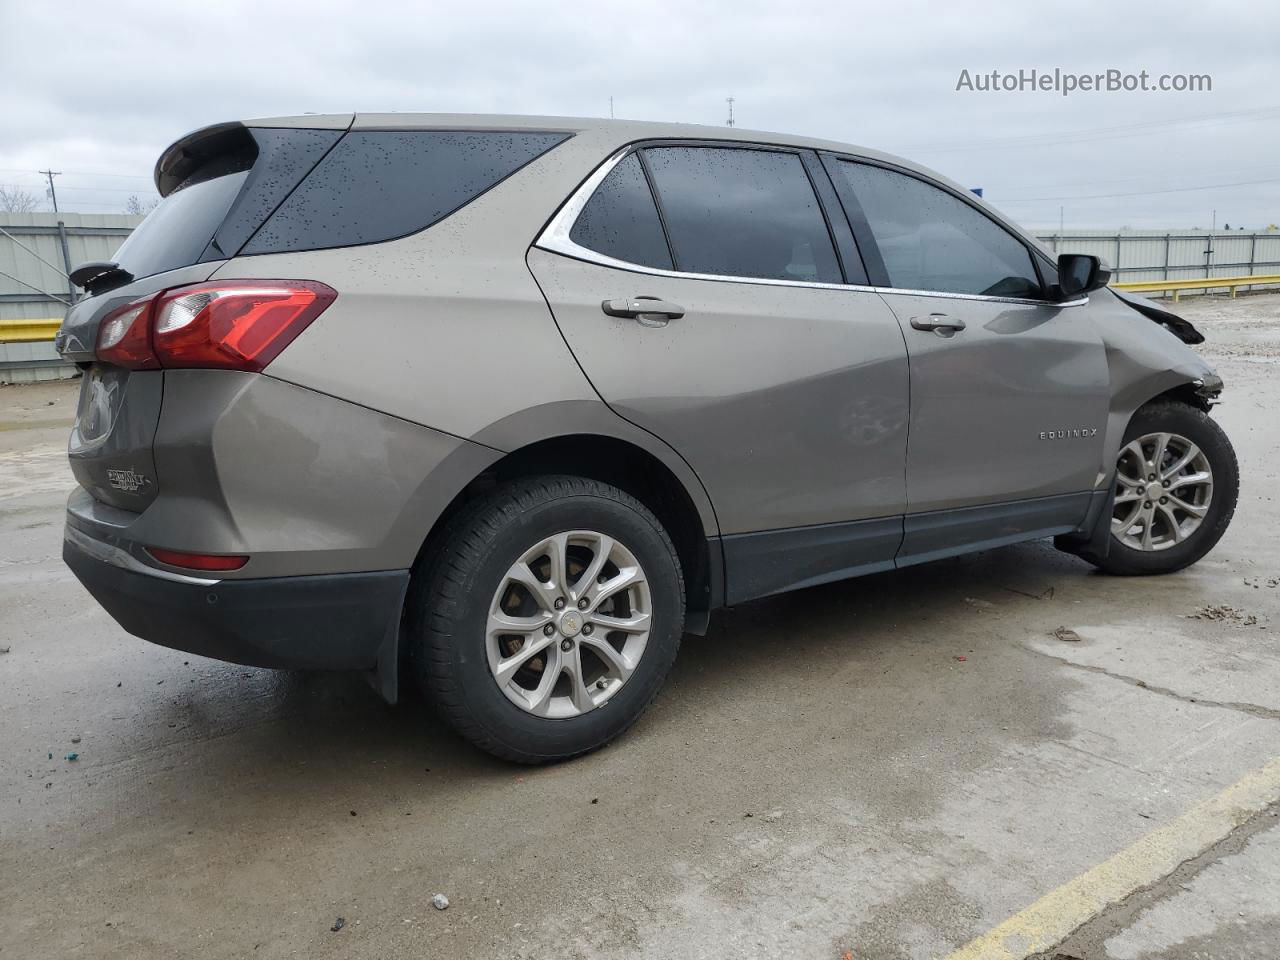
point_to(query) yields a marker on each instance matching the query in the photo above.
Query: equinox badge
(1068, 434)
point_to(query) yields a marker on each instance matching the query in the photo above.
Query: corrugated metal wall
(36, 286)
(90, 236)
(1141, 255)
(33, 282)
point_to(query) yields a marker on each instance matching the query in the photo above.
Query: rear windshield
(177, 231)
(226, 195)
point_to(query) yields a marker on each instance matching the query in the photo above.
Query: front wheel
(549, 618)
(1177, 482)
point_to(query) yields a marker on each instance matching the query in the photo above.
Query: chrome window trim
(1079, 302)
(117, 557)
(555, 239)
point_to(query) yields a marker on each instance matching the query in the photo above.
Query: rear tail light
(198, 561)
(124, 338)
(225, 324)
(234, 324)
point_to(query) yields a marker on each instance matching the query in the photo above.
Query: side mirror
(1080, 273)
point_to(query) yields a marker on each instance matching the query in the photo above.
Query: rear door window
(742, 212)
(379, 185)
(621, 221)
(931, 240)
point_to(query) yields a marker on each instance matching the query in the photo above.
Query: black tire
(1200, 429)
(449, 609)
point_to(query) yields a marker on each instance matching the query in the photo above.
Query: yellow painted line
(28, 331)
(1054, 917)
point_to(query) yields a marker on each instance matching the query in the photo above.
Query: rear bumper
(345, 621)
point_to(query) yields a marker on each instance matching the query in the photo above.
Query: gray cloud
(102, 92)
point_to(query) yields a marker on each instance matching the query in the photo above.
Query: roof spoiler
(189, 153)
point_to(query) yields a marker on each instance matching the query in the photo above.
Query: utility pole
(729, 122)
(611, 108)
(52, 192)
(1060, 219)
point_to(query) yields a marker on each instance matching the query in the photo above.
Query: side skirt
(776, 561)
(949, 533)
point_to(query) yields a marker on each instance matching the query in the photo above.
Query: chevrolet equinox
(505, 405)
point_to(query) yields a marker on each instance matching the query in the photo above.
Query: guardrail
(1200, 283)
(26, 330)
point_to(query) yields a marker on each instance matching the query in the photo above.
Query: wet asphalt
(884, 768)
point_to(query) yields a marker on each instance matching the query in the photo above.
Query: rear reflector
(198, 561)
(225, 324)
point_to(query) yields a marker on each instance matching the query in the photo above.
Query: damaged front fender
(1180, 328)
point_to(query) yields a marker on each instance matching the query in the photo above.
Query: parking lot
(1002, 750)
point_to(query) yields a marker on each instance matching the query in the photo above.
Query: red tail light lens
(198, 561)
(227, 324)
(124, 338)
(234, 324)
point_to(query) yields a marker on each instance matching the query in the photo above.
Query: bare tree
(139, 207)
(17, 200)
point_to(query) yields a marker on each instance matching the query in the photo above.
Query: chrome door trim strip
(1079, 302)
(555, 239)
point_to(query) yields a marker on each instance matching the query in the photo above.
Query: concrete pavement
(886, 768)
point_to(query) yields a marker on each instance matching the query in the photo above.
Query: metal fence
(37, 251)
(1148, 255)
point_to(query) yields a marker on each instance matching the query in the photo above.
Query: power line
(1138, 193)
(82, 173)
(1087, 135)
(90, 189)
(1145, 178)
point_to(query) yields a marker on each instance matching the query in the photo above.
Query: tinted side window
(379, 185)
(621, 221)
(285, 156)
(742, 213)
(930, 240)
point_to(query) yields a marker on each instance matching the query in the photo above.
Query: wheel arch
(623, 456)
(1192, 387)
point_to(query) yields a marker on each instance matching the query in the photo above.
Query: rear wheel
(548, 619)
(1176, 487)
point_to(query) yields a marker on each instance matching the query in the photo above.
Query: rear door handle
(648, 310)
(938, 322)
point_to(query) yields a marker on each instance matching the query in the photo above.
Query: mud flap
(1093, 541)
(385, 676)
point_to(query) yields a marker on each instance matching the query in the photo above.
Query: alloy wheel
(1164, 485)
(568, 624)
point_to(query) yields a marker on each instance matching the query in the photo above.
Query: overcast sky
(97, 91)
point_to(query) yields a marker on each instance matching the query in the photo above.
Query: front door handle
(938, 322)
(648, 310)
